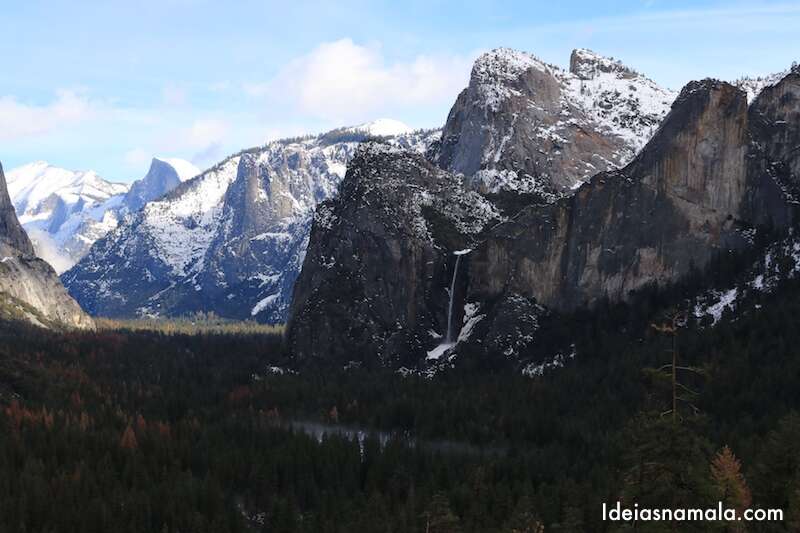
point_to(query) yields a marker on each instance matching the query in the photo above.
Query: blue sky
(105, 85)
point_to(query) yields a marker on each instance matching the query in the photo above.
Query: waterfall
(449, 338)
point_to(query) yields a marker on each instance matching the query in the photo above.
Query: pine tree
(729, 484)
(667, 465)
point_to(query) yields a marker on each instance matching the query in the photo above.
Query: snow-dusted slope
(229, 241)
(66, 211)
(622, 102)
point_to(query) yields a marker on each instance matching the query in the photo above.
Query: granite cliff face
(29, 287)
(679, 202)
(715, 170)
(526, 126)
(379, 260)
(774, 119)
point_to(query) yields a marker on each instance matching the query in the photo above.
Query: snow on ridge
(184, 224)
(506, 64)
(617, 99)
(754, 85)
(629, 107)
(494, 73)
(183, 227)
(35, 182)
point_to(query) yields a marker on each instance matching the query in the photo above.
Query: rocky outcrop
(161, 178)
(11, 233)
(774, 120)
(25, 279)
(374, 283)
(715, 170)
(526, 126)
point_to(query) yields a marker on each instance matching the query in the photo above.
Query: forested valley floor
(134, 430)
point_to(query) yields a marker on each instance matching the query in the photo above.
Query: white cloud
(343, 81)
(49, 250)
(20, 120)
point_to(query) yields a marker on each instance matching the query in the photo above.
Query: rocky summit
(29, 287)
(391, 274)
(526, 126)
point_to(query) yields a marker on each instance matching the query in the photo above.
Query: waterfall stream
(451, 337)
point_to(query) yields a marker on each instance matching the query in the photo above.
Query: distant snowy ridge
(63, 210)
(66, 211)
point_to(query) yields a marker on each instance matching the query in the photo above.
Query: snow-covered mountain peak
(62, 210)
(505, 64)
(32, 184)
(523, 124)
(164, 175)
(66, 211)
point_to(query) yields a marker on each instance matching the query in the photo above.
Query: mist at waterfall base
(450, 339)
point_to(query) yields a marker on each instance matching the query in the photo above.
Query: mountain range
(64, 212)
(230, 241)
